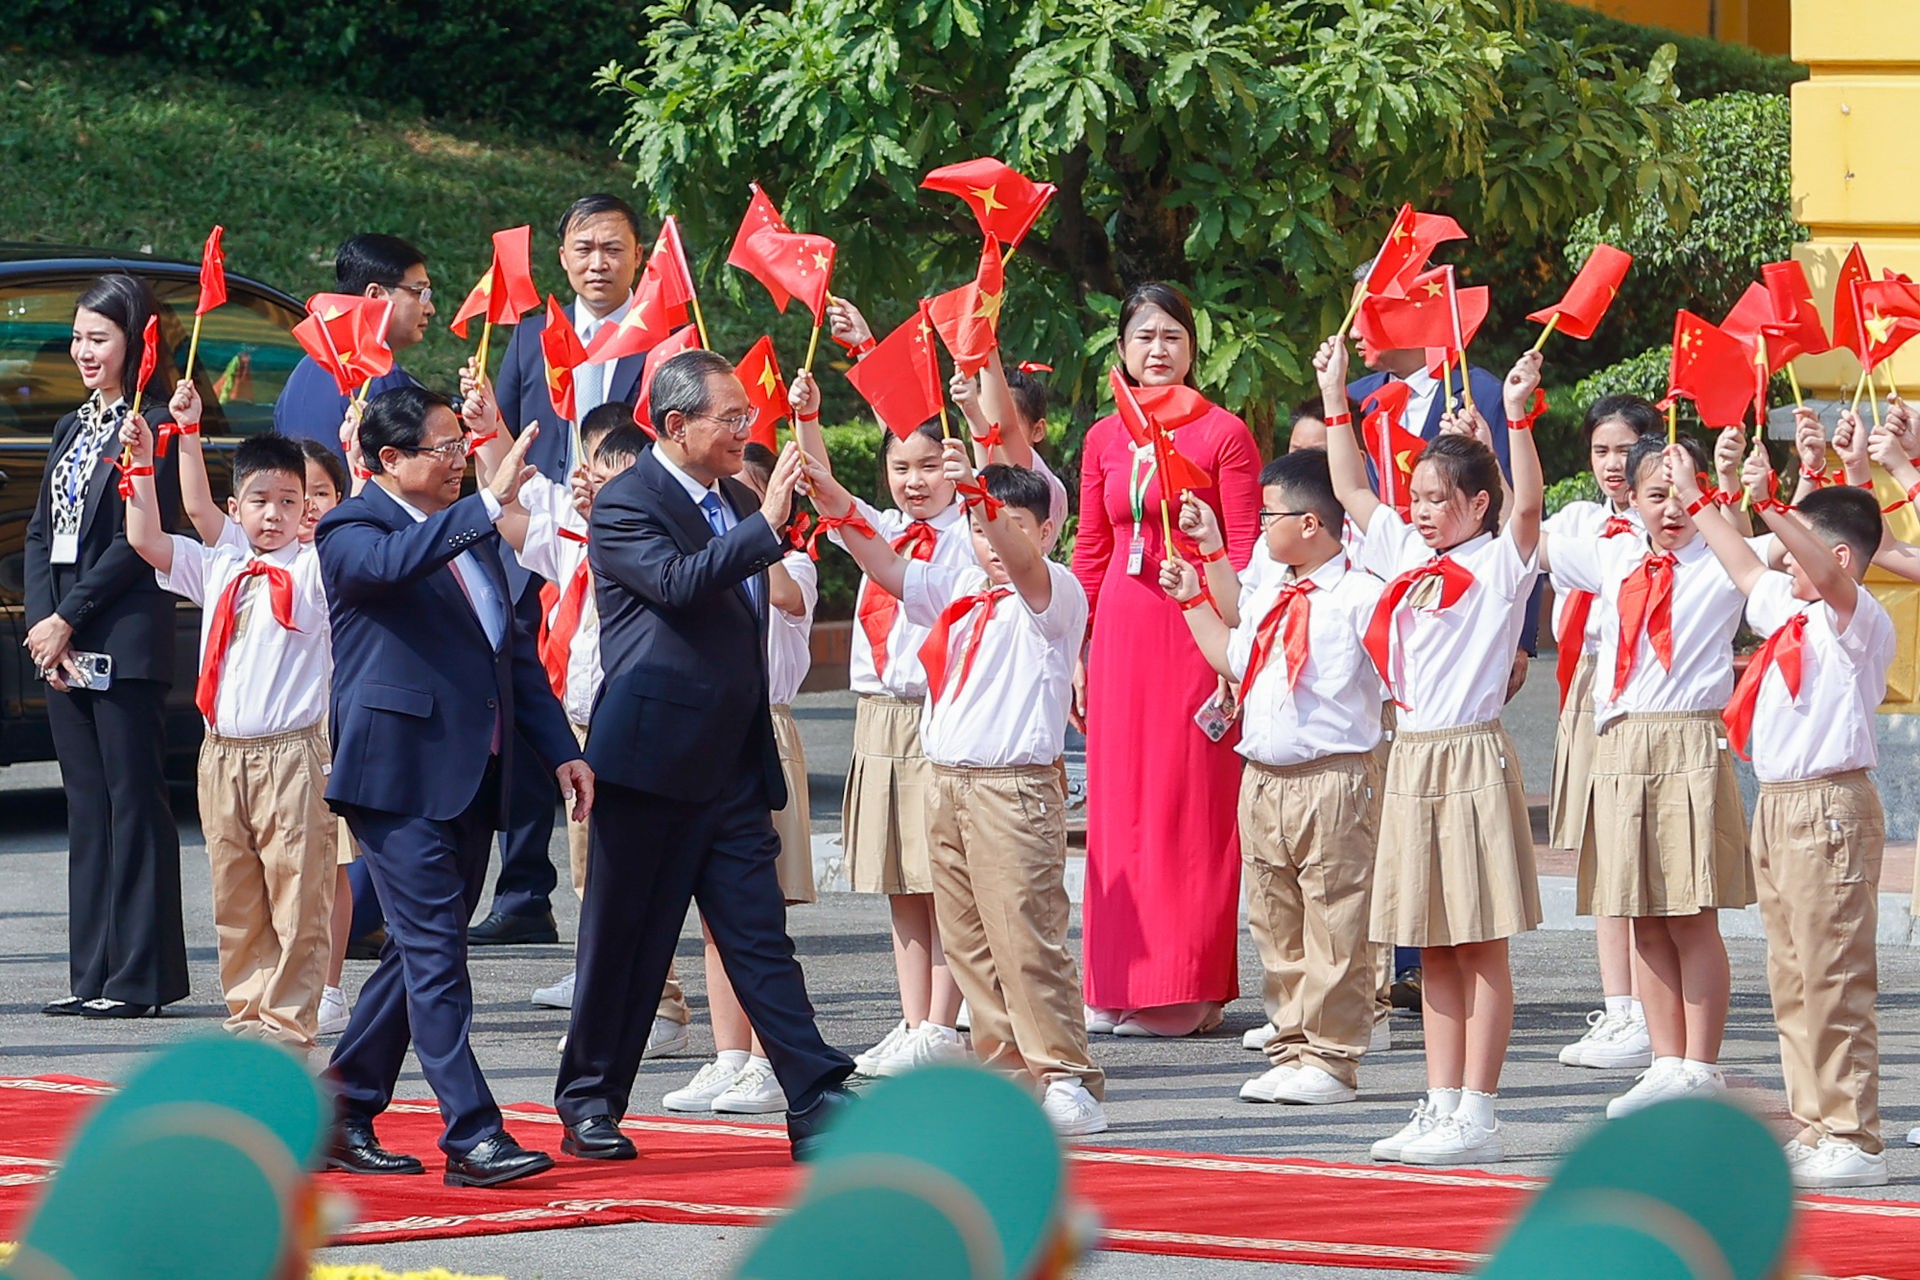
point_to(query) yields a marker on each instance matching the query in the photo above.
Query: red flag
(1796, 329)
(968, 318)
(900, 377)
(760, 216)
(1473, 314)
(661, 303)
(1848, 332)
(1422, 318)
(1711, 368)
(561, 353)
(685, 339)
(789, 265)
(1410, 241)
(1003, 201)
(346, 334)
(1174, 405)
(1177, 472)
(507, 290)
(1593, 290)
(213, 274)
(1889, 313)
(1393, 448)
(759, 373)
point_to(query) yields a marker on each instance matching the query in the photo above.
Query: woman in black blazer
(89, 593)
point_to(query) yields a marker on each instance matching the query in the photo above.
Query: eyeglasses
(424, 292)
(738, 425)
(1268, 517)
(445, 452)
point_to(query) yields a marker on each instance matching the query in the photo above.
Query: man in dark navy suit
(683, 740)
(432, 677)
(600, 252)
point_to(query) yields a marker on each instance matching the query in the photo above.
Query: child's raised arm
(1198, 522)
(880, 562)
(196, 494)
(1727, 542)
(146, 534)
(1529, 488)
(1210, 631)
(1025, 565)
(803, 395)
(1344, 458)
(996, 401)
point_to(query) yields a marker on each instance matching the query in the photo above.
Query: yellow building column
(1856, 178)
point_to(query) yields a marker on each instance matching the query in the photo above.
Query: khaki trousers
(270, 843)
(999, 852)
(1816, 861)
(1307, 839)
(673, 1001)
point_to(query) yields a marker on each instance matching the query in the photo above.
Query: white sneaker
(1796, 1152)
(1419, 1126)
(667, 1038)
(864, 1063)
(708, 1083)
(1302, 1085)
(1257, 1038)
(1840, 1164)
(1073, 1112)
(1666, 1079)
(927, 1045)
(557, 996)
(1600, 1024)
(1612, 1041)
(1457, 1139)
(1913, 1136)
(334, 1013)
(753, 1092)
(1101, 1022)
(963, 1021)
(1382, 1038)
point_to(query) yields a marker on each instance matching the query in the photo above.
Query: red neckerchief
(206, 694)
(933, 653)
(1646, 606)
(1786, 649)
(1572, 637)
(1454, 577)
(878, 608)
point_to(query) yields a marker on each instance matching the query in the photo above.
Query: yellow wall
(1762, 24)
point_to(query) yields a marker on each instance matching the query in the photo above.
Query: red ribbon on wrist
(1814, 476)
(797, 530)
(474, 442)
(851, 520)
(976, 495)
(1706, 499)
(1194, 602)
(168, 430)
(1218, 553)
(1526, 421)
(1338, 419)
(991, 439)
(361, 473)
(126, 479)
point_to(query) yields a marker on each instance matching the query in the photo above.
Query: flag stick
(946, 431)
(486, 333)
(813, 345)
(700, 323)
(1759, 407)
(1459, 342)
(1346, 322)
(1166, 524)
(1891, 389)
(1873, 400)
(579, 450)
(1553, 322)
(1858, 391)
(1673, 421)
(1794, 382)
(193, 348)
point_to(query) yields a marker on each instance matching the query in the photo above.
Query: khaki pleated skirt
(1666, 834)
(1455, 863)
(795, 822)
(884, 809)
(1574, 742)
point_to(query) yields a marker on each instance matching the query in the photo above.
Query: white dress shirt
(1334, 709)
(556, 558)
(1829, 728)
(1422, 387)
(903, 676)
(590, 381)
(273, 680)
(1585, 519)
(789, 656)
(1451, 665)
(1012, 710)
(488, 601)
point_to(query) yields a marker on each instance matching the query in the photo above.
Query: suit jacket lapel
(623, 383)
(690, 523)
(740, 498)
(452, 595)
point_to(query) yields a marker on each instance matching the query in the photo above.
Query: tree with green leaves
(1252, 152)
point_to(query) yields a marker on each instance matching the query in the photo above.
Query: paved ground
(1162, 1094)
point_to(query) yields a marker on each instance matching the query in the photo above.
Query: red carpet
(1149, 1201)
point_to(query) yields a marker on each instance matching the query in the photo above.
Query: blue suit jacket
(416, 685)
(521, 390)
(684, 703)
(310, 405)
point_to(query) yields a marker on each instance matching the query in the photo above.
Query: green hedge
(1704, 68)
(525, 61)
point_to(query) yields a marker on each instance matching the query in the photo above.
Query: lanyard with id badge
(66, 542)
(1139, 475)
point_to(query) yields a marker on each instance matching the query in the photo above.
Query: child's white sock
(1620, 1006)
(1639, 1010)
(1442, 1102)
(755, 1060)
(1695, 1062)
(1477, 1107)
(734, 1060)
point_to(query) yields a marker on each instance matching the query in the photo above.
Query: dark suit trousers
(125, 936)
(647, 858)
(527, 877)
(430, 875)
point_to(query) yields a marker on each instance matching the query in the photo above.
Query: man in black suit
(431, 677)
(600, 252)
(682, 741)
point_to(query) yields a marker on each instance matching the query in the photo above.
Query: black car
(246, 351)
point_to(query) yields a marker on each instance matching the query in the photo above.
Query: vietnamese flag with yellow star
(759, 373)
(1593, 290)
(789, 264)
(1889, 312)
(1713, 369)
(1004, 201)
(346, 334)
(561, 353)
(660, 303)
(1393, 448)
(506, 291)
(968, 318)
(900, 376)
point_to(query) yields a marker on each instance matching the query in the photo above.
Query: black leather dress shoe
(356, 1150)
(499, 930)
(597, 1138)
(495, 1160)
(805, 1128)
(368, 945)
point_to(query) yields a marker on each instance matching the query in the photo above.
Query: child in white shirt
(1006, 413)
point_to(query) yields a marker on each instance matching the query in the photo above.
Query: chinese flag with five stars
(683, 339)
(661, 303)
(1889, 315)
(1847, 330)
(900, 377)
(346, 334)
(506, 291)
(1422, 318)
(1410, 241)
(788, 264)
(1393, 448)
(1713, 369)
(213, 274)
(1004, 202)
(968, 318)
(1795, 329)
(1591, 293)
(1473, 314)
(1178, 473)
(561, 353)
(759, 373)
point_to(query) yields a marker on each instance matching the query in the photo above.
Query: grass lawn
(130, 155)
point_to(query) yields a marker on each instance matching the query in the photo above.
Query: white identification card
(66, 548)
(1136, 555)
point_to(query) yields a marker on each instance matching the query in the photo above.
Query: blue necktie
(717, 518)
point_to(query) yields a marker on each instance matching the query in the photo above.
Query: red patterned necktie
(878, 608)
(1646, 607)
(933, 653)
(1286, 622)
(206, 693)
(1571, 639)
(1454, 577)
(1786, 649)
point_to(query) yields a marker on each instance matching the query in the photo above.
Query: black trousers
(648, 857)
(125, 936)
(527, 876)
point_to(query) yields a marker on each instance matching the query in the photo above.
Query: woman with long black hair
(101, 633)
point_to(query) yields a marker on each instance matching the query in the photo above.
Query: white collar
(419, 516)
(1324, 577)
(1420, 382)
(583, 319)
(695, 490)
